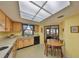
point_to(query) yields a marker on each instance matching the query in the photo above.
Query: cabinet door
(17, 43)
(30, 40)
(2, 21)
(26, 42)
(17, 27)
(36, 28)
(8, 25)
(20, 43)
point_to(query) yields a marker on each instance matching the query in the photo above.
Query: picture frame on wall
(74, 29)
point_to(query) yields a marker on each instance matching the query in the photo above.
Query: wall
(61, 30)
(71, 48)
(41, 33)
(71, 39)
(4, 34)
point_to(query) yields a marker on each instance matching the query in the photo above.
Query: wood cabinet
(17, 27)
(5, 22)
(23, 42)
(28, 42)
(36, 28)
(8, 26)
(2, 21)
(20, 43)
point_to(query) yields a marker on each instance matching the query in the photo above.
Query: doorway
(51, 32)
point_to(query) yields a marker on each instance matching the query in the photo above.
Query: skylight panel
(26, 15)
(42, 14)
(28, 7)
(40, 3)
(38, 19)
(32, 10)
(55, 6)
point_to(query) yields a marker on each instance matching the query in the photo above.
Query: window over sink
(28, 30)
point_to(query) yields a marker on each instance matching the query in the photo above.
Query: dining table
(56, 44)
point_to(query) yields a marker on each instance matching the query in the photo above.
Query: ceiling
(40, 10)
(12, 10)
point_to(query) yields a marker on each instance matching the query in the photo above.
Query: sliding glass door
(51, 32)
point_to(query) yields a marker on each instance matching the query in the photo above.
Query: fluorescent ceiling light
(38, 10)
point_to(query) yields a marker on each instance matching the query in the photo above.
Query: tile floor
(36, 51)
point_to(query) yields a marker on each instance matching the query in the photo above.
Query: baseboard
(25, 47)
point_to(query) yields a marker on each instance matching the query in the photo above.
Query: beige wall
(71, 48)
(71, 39)
(61, 30)
(41, 33)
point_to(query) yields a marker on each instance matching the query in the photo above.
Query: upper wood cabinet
(2, 21)
(8, 26)
(36, 28)
(17, 27)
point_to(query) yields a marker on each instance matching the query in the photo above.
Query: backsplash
(4, 34)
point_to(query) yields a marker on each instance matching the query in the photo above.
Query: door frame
(50, 27)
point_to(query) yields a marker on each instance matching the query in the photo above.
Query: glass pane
(24, 27)
(48, 31)
(40, 3)
(52, 31)
(28, 8)
(55, 6)
(38, 19)
(26, 16)
(28, 29)
(42, 14)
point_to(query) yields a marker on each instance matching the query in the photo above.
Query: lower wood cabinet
(28, 42)
(20, 43)
(23, 42)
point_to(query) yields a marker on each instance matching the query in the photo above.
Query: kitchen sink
(4, 47)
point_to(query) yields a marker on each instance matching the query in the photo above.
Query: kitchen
(13, 36)
(27, 27)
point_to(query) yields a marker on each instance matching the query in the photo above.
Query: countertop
(6, 42)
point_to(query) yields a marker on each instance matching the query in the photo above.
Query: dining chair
(57, 50)
(47, 49)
